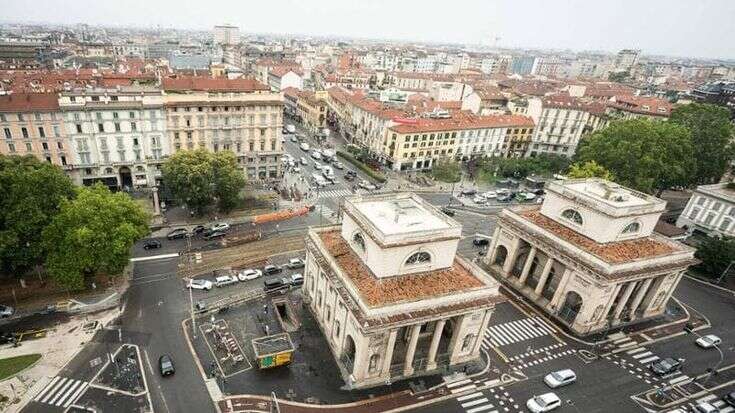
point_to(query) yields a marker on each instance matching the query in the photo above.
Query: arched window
(139, 169)
(359, 241)
(373, 363)
(573, 216)
(633, 227)
(417, 258)
(109, 171)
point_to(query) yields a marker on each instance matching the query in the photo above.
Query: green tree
(31, 192)
(92, 233)
(644, 154)
(589, 169)
(446, 171)
(543, 165)
(198, 178)
(618, 76)
(715, 255)
(712, 134)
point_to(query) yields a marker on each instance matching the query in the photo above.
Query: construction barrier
(280, 215)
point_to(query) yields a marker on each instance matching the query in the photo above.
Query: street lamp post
(191, 298)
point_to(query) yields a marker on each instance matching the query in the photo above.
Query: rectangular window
(11, 147)
(24, 132)
(133, 126)
(29, 148)
(117, 127)
(79, 127)
(8, 134)
(57, 131)
(100, 127)
(44, 145)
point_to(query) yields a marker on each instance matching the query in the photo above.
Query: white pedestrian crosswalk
(492, 400)
(334, 193)
(516, 331)
(61, 391)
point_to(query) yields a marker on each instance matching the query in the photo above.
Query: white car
(249, 274)
(339, 165)
(316, 155)
(303, 161)
(480, 200)
(224, 280)
(200, 284)
(317, 166)
(490, 194)
(560, 378)
(294, 139)
(543, 403)
(295, 263)
(708, 341)
(705, 407)
(304, 147)
(296, 169)
(220, 226)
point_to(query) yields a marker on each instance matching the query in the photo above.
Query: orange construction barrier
(280, 215)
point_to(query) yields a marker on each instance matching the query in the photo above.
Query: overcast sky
(696, 28)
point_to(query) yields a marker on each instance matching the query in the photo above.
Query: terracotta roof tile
(210, 84)
(463, 120)
(29, 102)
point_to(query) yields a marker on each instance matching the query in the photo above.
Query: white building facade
(711, 210)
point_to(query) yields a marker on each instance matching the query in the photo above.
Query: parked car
(273, 285)
(489, 194)
(214, 235)
(249, 274)
(6, 311)
(339, 165)
(560, 378)
(543, 403)
(166, 365)
(294, 139)
(730, 398)
(303, 161)
(304, 147)
(220, 226)
(705, 407)
(200, 284)
(295, 263)
(224, 280)
(366, 185)
(479, 200)
(200, 306)
(178, 233)
(316, 154)
(6, 338)
(504, 198)
(198, 229)
(297, 279)
(666, 366)
(150, 244)
(272, 269)
(480, 242)
(296, 169)
(708, 341)
(468, 192)
(448, 211)
(290, 128)
(318, 166)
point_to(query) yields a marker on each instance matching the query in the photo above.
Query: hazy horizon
(657, 27)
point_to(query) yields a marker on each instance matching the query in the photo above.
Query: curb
(196, 361)
(709, 284)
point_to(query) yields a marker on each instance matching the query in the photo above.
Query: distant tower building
(522, 65)
(626, 59)
(226, 35)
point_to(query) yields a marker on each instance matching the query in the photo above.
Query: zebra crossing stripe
(642, 355)
(463, 388)
(480, 409)
(680, 379)
(61, 390)
(47, 388)
(75, 395)
(469, 396)
(474, 402)
(635, 350)
(648, 360)
(53, 390)
(517, 330)
(458, 383)
(68, 392)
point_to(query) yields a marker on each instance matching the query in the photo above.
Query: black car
(6, 338)
(468, 192)
(151, 244)
(177, 233)
(666, 366)
(166, 365)
(271, 269)
(730, 398)
(198, 229)
(448, 211)
(274, 285)
(214, 234)
(480, 242)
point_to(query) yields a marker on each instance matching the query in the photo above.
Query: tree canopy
(644, 154)
(711, 133)
(92, 233)
(589, 169)
(32, 191)
(200, 178)
(543, 165)
(446, 171)
(715, 255)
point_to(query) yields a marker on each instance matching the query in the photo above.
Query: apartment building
(631, 107)
(412, 144)
(32, 125)
(711, 210)
(560, 122)
(117, 136)
(240, 115)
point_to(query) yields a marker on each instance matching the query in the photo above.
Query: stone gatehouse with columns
(389, 293)
(588, 255)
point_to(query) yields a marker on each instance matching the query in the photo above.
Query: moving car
(200, 284)
(666, 366)
(560, 378)
(198, 229)
(339, 165)
(479, 200)
(166, 365)
(151, 244)
(220, 226)
(6, 311)
(318, 166)
(705, 407)
(468, 192)
(304, 147)
(543, 403)
(366, 185)
(448, 211)
(708, 341)
(294, 263)
(177, 233)
(297, 279)
(214, 235)
(480, 242)
(272, 269)
(350, 175)
(316, 154)
(249, 274)
(490, 194)
(224, 280)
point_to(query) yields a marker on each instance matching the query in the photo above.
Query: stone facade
(588, 255)
(386, 322)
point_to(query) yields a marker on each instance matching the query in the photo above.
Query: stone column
(511, 258)
(559, 293)
(388, 357)
(493, 250)
(611, 301)
(411, 350)
(156, 204)
(527, 266)
(544, 276)
(435, 338)
(624, 299)
(639, 296)
(481, 333)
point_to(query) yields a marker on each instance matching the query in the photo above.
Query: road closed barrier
(280, 215)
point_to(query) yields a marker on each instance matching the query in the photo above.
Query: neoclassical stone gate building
(389, 294)
(588, 255)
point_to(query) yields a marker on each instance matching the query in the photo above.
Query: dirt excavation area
(252, 254)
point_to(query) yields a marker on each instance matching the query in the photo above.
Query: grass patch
(11, 366)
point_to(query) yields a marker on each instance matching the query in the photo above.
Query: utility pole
(191, 298)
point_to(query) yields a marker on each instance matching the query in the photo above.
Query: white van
(560, 378)
(305, 147)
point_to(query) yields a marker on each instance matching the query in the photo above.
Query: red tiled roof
(29, 102)
(463, 120)
(210, 84)
(646, 105)
(281, 71)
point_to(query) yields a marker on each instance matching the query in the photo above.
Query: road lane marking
(474, 402)
(463, 388)
(47, 388)
(648, 360)
(154, 257)
(469, 396)
(643, 355)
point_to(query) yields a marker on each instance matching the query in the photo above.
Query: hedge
(361, 166)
